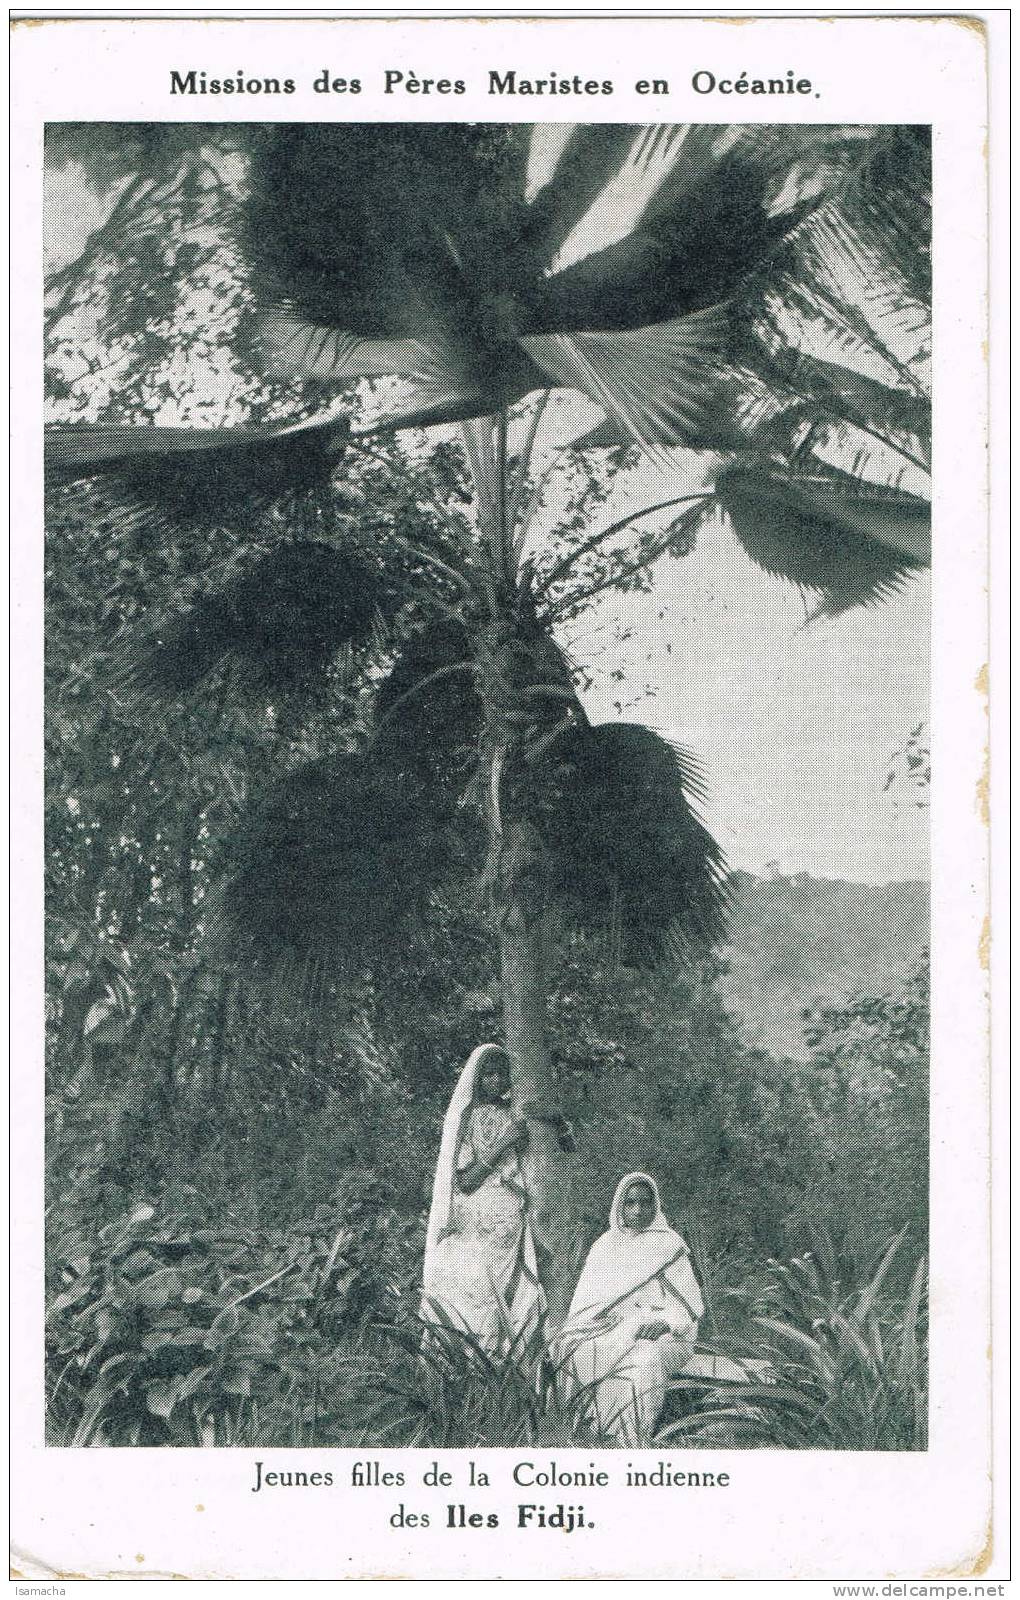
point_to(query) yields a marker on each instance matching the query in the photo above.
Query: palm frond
(802, 313)
(739, 410)
(619, 816)
(670, 167)
(655, 382)
(547, 142)
(413, 212)
(292, 347)
(334, 859)
(285, 619)
(179, 477)
(724, 199)
(878, 460)
(621, 199)
(852, 542)
(859, 266)
(839, 321)
(775, 404)
(428, 715)
(840, 391)
(588, 161)
(882, 221)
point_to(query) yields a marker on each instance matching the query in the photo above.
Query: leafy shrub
(162, 1331)
(655, 1079)
(841, 1367)
(867, 1084)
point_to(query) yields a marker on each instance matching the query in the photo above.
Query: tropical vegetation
(309, 565)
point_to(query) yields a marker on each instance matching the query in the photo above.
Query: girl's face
(493, 1082)
(638, 1206)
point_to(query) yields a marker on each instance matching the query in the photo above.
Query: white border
(806, 1516)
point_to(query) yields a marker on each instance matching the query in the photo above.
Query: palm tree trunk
(524, 985)
(517, 863)
(524, 1001)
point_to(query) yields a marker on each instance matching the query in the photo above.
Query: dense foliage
(271, 1245)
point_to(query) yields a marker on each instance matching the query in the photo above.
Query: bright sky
(794, 725)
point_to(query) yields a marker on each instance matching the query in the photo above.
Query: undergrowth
(164, 1331)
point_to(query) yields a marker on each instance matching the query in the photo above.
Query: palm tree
(758, 295)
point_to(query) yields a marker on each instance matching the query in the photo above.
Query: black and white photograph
(488, 792)
(487, 848)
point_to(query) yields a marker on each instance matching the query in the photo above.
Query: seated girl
(633, 1321)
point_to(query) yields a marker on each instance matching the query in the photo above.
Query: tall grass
(432, 1383)
(843, 1367)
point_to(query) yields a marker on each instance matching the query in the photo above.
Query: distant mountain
(797, 940)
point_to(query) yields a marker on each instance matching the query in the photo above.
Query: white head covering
(658, 1223)
(453, 1126)
(623, 1259)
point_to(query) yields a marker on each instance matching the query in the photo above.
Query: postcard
(501, 1079)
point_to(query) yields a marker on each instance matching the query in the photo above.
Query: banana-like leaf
(285, 619)
(618, 812)
(852, 542)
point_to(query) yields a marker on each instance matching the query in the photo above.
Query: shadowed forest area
(321, 786)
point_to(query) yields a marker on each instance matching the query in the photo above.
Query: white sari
(630, 1278)
(480, 1269)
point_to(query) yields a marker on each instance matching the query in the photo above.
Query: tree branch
(584, 549)
(67, 280)
(624, 572)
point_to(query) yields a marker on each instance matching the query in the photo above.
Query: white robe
(480, 1269)
(629, 1279)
